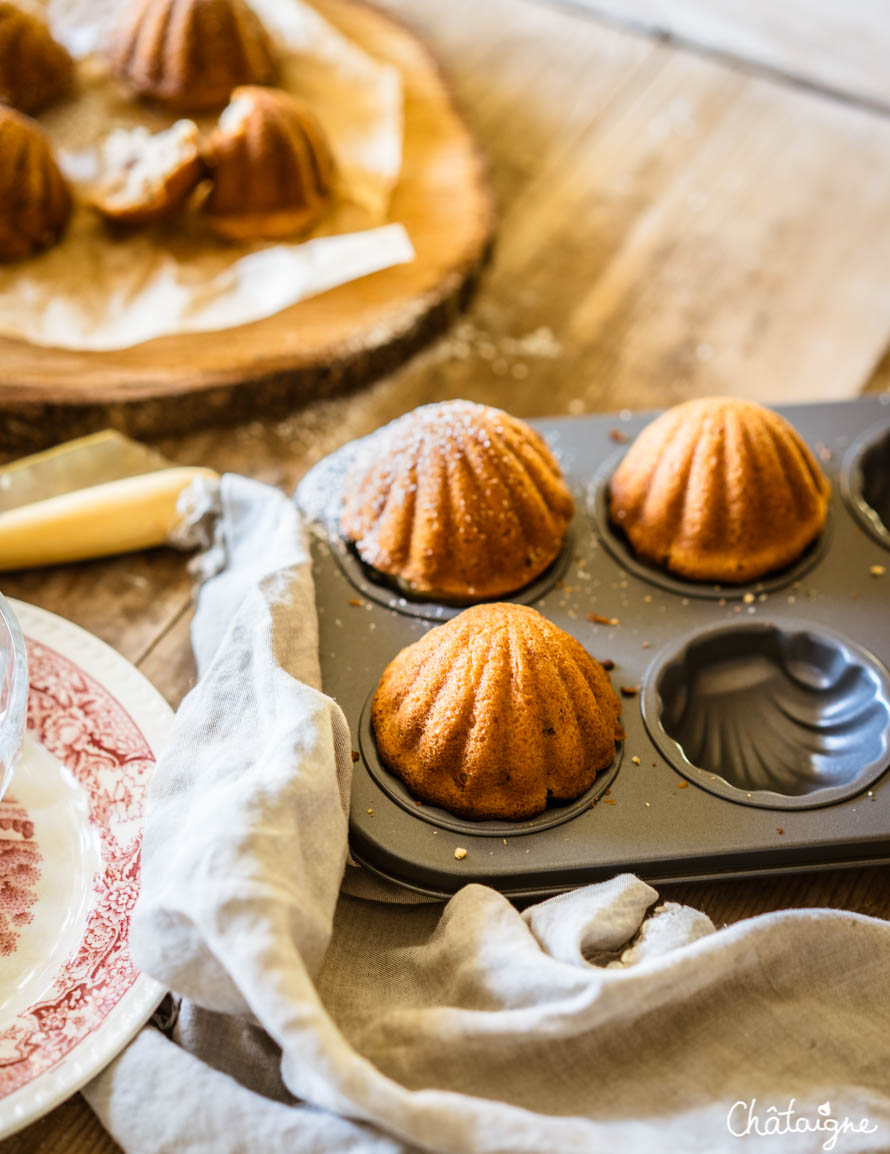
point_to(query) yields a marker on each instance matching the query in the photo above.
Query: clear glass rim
(12, 729)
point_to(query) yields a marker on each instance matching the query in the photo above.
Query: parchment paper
(100, 290)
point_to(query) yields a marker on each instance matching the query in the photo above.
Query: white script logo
(744, 1119)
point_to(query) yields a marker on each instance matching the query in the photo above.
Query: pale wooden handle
(117, 517)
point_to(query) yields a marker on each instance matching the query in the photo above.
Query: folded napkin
(313, 1020)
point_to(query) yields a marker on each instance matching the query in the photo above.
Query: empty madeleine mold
(782, 716)
(865, 483)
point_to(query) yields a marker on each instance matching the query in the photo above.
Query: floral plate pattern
(70, 840)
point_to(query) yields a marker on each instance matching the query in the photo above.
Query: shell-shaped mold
(457, 502)
(865, 480)
(494, 712)
(190, 54)
(719, 489)
(270, 165)
(35, 69)
(783, 716)
(34, 198)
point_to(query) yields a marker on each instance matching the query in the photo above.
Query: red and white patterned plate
(70, 838)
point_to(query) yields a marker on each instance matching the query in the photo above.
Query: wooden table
(676, 220)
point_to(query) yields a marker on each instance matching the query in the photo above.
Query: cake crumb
(647, 599)
(618, 436)
(749, 598)
(609, 801)
(877, 570)
(646, 644)
(355, 755)
(630, 690)
(635, 760)
(460, 853)
(682, 785)
(607, 663)
(779, 829)
(371, 812)
(722, 602)
(599, 619)
(646, 804)
(356, 603)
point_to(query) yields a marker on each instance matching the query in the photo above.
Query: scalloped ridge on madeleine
(34, 200)
(721, 490)
(190, 54)
(457, 501)
(494, 713)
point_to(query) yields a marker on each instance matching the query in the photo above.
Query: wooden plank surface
(669, 226)
(838, 46)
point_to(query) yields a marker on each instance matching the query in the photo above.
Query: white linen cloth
(325, 1023)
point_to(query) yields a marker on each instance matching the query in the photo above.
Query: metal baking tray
(758, 722)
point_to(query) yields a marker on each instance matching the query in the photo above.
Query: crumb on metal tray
(460, 853)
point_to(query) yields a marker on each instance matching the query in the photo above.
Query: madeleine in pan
(720, 490)
(495, 713)
(457, 502)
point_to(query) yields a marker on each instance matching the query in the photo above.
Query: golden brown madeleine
(148, 176)
(719, 489)
(494, 713)
(457, 501)
(35, 69)
(34, 198)
(270, 166)
(190, 54)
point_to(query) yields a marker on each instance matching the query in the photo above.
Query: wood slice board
(318, 347)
